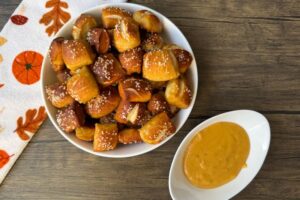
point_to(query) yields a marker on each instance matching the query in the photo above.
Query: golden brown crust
(55, 54)
(184, 58)
(148, 21)
(58, 95)
(178, 93)
(126, 35)
(135, 90)
(129, 136)
(76, 53)
(82, 86)
(122, 111)
(157, 129)
(85, 133)
(107, 70)
(112, 15)
(160, 65)
(82, 25)
(106, 137)
(71, 117)
(100, 39)
(153, 41)
(158, 104)
(103, 104)
(139, 115)
(132, 60)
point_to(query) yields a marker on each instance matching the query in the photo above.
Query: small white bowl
(258, 130)
(172, 34)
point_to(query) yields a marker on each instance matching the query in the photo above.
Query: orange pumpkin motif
(4, 158)
(27, 67)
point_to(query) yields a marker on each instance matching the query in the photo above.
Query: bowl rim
(46, 59)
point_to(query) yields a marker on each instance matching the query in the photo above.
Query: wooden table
(248, 58)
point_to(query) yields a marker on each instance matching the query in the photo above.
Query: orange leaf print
(4, 158)
(27, 67)
(56, 17)
(1, 85)
(2, 41)
(33, 121)
(1, 58)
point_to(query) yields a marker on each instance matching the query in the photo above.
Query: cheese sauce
(216, 155)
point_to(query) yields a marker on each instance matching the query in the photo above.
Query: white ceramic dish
(172, 34)
(258, 130)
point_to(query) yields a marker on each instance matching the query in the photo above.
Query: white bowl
(258, 130)
(172, 34)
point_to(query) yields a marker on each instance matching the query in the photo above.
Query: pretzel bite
(107, 69)
(58, 95)
(129, 136)
(85, 133)
(153, 41)
(106, 137)
(103, 104)
(160, 65)
(71, 117)
(139, 115)
(135, 90)
(112, 15)
(132, 60)
(99, 38)
(126, 35)
(82, 86)
(158, 104)
(148, 21)
(55, 53)
(82, 25)
(178, 93)
(157, 129)
(63, 75)
(184, 58)
(76, 53)
(132, 113)
(122, 111)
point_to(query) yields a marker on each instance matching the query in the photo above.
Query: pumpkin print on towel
(27, 67)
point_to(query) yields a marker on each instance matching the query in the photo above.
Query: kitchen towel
(24, 40)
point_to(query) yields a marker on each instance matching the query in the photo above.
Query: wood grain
(248, 57)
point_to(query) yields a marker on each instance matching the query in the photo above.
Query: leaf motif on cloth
(1, 111)
(56, 17)
(4, 158)
(27, 66)
(3, 40)
(33, 120)
(19, 19)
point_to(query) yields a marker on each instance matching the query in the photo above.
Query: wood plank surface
(248, 57)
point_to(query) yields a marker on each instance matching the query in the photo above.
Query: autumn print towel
(23, 42)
